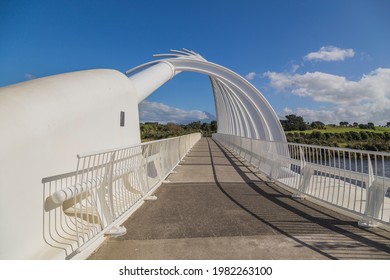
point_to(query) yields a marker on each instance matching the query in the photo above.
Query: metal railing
(353, 180)
(83, 205)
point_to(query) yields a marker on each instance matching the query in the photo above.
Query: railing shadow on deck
(330, 234)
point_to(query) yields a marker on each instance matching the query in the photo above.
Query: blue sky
(324, 60)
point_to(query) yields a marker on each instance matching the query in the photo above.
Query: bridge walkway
(216, 207)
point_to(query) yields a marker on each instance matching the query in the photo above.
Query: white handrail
(107, 185)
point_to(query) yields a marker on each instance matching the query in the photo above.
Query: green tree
(316, 135)
(317, 125)
(213, 126)
(363, 126)
(194, 125)
(371, 125)
(206, 129)
(355, 136)
(174, 129)
(293, 122)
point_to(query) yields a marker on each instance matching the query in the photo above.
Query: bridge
(217, 206)
(244, 193)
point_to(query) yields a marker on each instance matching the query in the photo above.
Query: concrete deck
(217, 208)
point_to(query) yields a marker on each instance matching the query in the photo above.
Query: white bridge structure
(73, 167)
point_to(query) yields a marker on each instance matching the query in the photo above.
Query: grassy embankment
(377, 139)
(337, 129)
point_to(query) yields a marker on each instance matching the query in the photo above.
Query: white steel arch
(241, 109)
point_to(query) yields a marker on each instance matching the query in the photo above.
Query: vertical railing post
(375, 193)
(146, 169)
(108, 194)
(179, 157)
(275, 162)
(306, 174)
(100, 192)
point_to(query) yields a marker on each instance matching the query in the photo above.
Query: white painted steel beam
(150, 79)
(241, 109)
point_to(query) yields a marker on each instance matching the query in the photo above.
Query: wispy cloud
(158, 112)
(250, 76)
(294, 68)
(29, 76)
(329, 53)
(367, 99)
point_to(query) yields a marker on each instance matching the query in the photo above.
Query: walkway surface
(218, 208)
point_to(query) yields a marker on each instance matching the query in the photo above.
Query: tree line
(345, 135)
(155, 131)
(294, 122)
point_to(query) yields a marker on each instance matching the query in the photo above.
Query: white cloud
(336, 114)
(162, 113)
(330, 53)
(250, 76)
(367, 99)
(324, 87)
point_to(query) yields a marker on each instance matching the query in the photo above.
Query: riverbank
(377, 139)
